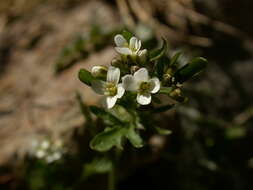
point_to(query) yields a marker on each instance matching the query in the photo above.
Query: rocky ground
(34, 101)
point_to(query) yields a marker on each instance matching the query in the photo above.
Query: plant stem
(111, 179)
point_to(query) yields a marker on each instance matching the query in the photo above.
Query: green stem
(111, 179)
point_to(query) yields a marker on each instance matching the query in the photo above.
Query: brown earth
(33, 101)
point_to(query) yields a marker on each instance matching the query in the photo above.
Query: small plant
(47, 150)
(137, 85)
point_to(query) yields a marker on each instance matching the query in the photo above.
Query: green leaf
(97, 166)
(156, 54)
(166, 90)
(121, 113)
(235, 132)
(107, 117)
(85, 76)
(163, 108)
(127, 35)
(109, 138)
(162, 131)
(189, 70)
(134, 137)
(174, 59)
(161, 66)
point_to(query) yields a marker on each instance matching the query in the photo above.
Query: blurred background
(44, 43)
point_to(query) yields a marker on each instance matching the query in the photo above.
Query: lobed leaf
(134, 138)
(109, 138)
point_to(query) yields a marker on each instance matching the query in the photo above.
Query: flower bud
(133, 69)
(99, 71)
(116, 62)
(142, 56)
(177, 95)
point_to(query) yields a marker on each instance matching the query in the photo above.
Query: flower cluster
(47, 150)
(136, 78)
(115, 86)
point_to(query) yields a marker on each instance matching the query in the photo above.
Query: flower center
(144, 87)
(110, 89)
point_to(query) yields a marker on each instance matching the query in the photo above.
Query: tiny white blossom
(110, 88)
(132, 48)
(40, 153)
(45, 144)
(141, 83)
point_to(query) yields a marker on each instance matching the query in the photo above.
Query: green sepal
(127, 35)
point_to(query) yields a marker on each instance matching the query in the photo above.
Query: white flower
(45, 144)
(40, 153)
(132, 48)
(142, 84)
(110, 88)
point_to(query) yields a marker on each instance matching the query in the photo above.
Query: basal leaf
(97, 166)
(109, 138)
(134, 138)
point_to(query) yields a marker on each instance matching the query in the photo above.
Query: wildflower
(142, 84)
(132, 48)
(110, 88)
(48, 150)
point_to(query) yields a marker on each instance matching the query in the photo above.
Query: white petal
(142, 52)
(98, 86)
(129, 83)
(113, 75)
(138, 45)
(109, 101)
(120, 91)
(123, 50)
(133, 42)
(155, 85)
(144, 99)
(40, 154)
(45, 144)
(119, 40)
(141, 75)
